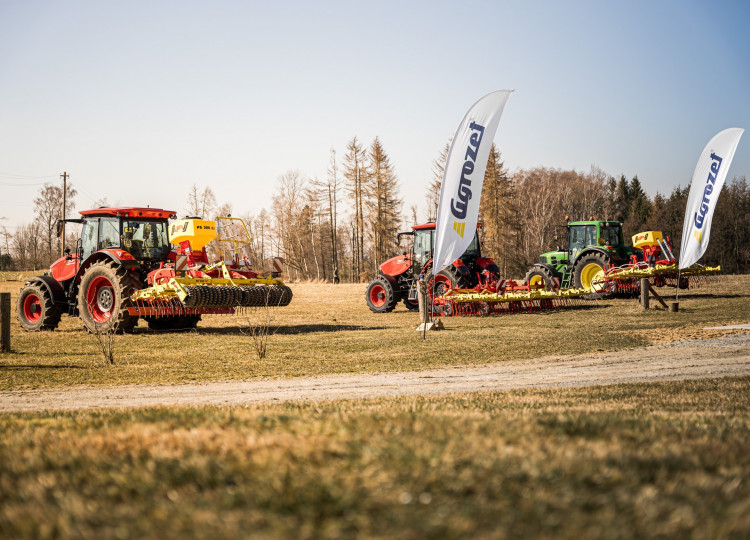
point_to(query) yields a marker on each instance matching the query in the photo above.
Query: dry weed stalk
(259, 327)
(105, 336)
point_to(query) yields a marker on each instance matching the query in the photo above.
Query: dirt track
(689, 359)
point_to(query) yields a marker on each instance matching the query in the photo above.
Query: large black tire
(36, 309)
(539, 274)
(103, 298)
(411, 305)
(587, 268)
(381, 298)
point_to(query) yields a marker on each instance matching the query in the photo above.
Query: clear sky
(139, 100)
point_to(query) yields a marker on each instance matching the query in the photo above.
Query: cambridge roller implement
(131, 263)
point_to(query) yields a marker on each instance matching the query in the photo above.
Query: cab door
(423, 246)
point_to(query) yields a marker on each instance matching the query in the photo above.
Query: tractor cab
(424, 245)
(142, 232)
(606, 235)
(128, 233)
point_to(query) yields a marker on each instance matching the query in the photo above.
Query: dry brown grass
(666, 460)
(328, 329)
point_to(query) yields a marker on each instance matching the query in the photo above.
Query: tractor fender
(118, 256)
(392, 280)
(54, 289)
(589, 251)
(551, 269)
(460, 269)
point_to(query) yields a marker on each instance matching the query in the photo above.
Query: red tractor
(124, 268)
(398, 276)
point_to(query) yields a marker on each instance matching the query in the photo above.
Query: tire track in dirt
(689, 359)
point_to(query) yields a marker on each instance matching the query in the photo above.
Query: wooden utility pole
(4, 322)
(64, 176)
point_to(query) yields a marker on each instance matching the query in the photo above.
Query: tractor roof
(593, 222)
(130, 211)
(431, 225)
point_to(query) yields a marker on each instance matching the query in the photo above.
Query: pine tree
(383, 204)
(496, 210)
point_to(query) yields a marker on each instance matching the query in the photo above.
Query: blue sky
(138, 101)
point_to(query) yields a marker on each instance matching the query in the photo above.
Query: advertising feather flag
(458, 209)
(708, 179)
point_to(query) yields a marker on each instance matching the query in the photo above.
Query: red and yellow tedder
(132, 263)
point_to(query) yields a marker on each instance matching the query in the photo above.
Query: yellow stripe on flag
(459, 227)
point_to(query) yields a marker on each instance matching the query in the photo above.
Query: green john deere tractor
(591, 246)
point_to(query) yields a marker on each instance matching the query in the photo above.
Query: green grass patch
(628, 461)
(328, 329)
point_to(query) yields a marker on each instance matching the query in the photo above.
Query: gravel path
(688, 359)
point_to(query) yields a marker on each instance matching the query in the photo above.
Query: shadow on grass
(11, 367)
(284, 330)
(688, 295)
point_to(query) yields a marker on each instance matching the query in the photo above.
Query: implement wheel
(103, 297)
(36, 309)
(381, 298)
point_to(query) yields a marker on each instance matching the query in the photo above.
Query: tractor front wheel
(103, 297)
(381, 298)
(411, 305)
(539, 275)
(36, 309)
(441, 283)
(589, 270)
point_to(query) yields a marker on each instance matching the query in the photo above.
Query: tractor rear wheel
(103, 298)
(539, 275)
(36, 309)
(381, 298)
(588, 270)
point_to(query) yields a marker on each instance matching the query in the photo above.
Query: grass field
(629, 461)
(664, 460)
(328, 329)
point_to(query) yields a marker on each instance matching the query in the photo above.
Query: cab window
(423, 241)
(611, 235)
(577, 237)
(89, 237)
(109, 233)
(582, 236)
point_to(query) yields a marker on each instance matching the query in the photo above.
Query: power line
(13, 176)
(22, 185)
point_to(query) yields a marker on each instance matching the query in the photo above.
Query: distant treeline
(344, 225)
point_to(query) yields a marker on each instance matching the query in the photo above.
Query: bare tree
(433, 189)
(355, 172)
(332, 190)
(201, 203)
(48, 209)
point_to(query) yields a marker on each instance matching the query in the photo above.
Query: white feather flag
(458, 209)
(708, 179)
